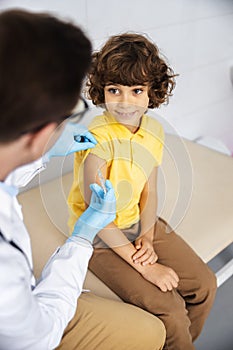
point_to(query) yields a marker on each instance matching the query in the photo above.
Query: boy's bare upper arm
(91, 165)
(151, 184)
(148, 204)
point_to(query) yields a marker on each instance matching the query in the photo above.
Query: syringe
(102, 181)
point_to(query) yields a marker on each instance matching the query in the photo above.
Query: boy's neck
(132, 128)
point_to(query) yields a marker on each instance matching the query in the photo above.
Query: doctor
(42, 63)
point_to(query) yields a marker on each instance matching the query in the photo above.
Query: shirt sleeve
(102, 149)
(102, 134)
(154, 139)
(36, 320)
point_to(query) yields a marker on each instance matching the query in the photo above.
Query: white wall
(195, 35)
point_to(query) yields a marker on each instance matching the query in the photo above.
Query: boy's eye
(113, 91)
(138, 91)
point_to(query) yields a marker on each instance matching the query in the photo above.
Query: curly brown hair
(130, 59)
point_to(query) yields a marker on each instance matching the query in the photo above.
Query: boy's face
(126, 103)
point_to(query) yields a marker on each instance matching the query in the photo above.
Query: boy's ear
(39, 142)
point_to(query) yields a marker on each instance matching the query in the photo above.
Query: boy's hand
(145, 254)
(162, 276)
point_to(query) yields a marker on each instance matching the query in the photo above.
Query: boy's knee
(212, 281)
(211, 288)
(209, 281)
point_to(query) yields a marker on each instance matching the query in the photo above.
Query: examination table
(195, 191)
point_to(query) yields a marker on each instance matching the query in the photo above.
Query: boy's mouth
(126, 115)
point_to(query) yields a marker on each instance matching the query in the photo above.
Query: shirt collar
(141, 130)
(143, 127)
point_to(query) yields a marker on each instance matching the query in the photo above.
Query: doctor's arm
(74, 138)
(36, 320)
(63, 277)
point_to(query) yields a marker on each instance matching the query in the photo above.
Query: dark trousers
(182, 310)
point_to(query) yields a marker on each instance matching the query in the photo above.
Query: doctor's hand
(74, 138)
(101, 211)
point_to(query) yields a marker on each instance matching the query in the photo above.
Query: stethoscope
(13, 244)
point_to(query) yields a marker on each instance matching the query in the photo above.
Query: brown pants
(103, 324)
(183, 310)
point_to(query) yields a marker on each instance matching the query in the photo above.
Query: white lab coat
(36, 319)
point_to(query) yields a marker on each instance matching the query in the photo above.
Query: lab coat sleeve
(36, 320)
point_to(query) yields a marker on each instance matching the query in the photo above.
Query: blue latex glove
(74, 138)
(101, 211)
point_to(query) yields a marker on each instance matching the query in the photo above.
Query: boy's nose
(125, 100)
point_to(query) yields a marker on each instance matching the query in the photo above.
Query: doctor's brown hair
(130, 59)
(43, 61)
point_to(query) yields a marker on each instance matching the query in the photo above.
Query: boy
(143, 264)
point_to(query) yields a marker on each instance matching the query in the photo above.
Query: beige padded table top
(195, 196)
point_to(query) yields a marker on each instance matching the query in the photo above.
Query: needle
(102, 181)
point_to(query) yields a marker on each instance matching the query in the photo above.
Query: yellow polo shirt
(130, 160)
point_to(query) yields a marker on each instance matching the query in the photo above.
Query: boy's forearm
(148, 218)
(148, 206)
(126, 252)
(149, 234)
(118, 242)
(113, 236)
